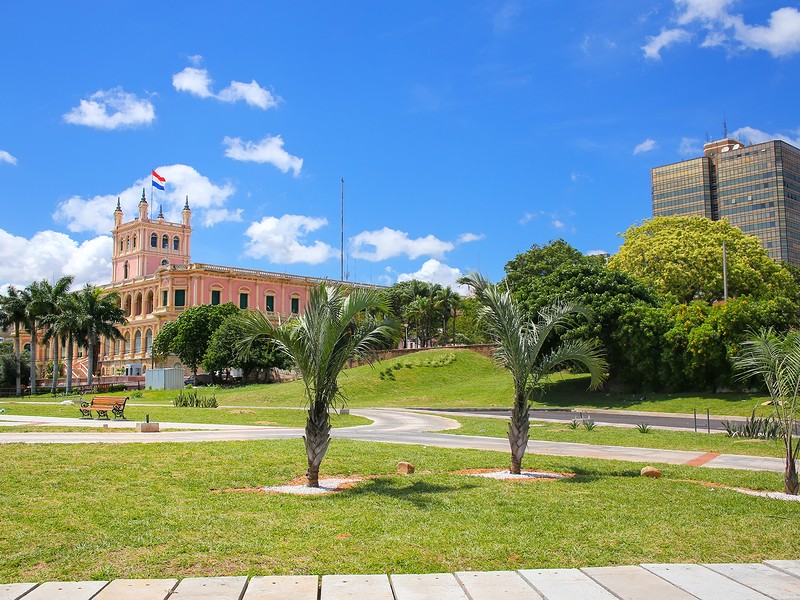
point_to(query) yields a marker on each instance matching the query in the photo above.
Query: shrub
(192, 399)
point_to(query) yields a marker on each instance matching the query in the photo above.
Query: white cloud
(388, 243)
(434, 271)
(195, 59)
(527, 218)
(756, 136)
(465, 238)
(652, 49)
(558, 224)
(690, 147)
(646, 146)
(50, 255)
(504, 19)
(198, 82)
(7, 157)
(280, 240)
(206, 199)
(780, 36)
(112, 109)
(269, 150)
(597, 253)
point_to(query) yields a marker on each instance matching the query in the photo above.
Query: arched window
(127, 343)
(148, 305)
(121, 244)
(128, 242)
(153, 240)
(125, 270)
(134, 241)
(117, 344)
(176, 243)
(148, 341)
(128, 306)
(137, 342)
(27, 347)
(137, 307)
(164, 242)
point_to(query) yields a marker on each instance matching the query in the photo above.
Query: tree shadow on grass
(419, 493)
(588, 475)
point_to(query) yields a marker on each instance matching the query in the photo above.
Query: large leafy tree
(335, 328)
(224, 350)
(189, 335)
(775, 360)
(13, 314)
(522, 350)
(681, 257)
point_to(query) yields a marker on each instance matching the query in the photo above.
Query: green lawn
(623, 436)
(152, 510)
(461, 378)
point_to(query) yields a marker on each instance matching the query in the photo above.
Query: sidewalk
(779, 579)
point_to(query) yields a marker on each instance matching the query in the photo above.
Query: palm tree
(446, 301)
(520, 350)
(776, 360)
(49, 303)
(12, 312)
(334, 329)
(96, 314)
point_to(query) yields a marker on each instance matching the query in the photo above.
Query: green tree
(189, 335)
(446, 303)
(775, 360)
(334, 329)
(13, 314)
(224, 351)
(521, 349)
(43, 305)
(96, 314)
(681, 257)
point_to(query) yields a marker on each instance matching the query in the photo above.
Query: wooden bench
(101, 405)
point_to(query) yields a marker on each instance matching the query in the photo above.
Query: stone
(147, 427)
(405, 468)
(650, 472)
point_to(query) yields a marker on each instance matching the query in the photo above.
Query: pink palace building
(153, 274)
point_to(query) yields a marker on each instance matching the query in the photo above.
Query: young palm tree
(50, 302)
(12, 312)
(521, 350)
(333, 330)
(96, 314)
(776, 360)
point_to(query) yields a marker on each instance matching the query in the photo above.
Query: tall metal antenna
(724, 128)
(341, 256)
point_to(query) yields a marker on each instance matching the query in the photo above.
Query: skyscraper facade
(754, 187)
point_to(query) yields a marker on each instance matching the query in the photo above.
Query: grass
(160, 510)
(623, 436)
(462, 378)
(271, 417)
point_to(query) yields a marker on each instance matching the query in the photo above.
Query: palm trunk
(317, 438)
(90, 359)
(518, 430)
(790, 482)
(54, 387)
(69, 365)
(18, 357)
(33, 359)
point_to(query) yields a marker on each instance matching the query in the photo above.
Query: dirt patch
(242, 411)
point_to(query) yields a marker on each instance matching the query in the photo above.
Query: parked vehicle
(199, 379)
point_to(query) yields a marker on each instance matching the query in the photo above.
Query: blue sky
(464, 131)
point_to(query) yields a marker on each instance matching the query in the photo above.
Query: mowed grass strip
(160, 510)
(259, 416)
(623, 436)
(450, 378)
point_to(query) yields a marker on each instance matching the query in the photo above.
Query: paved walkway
(779, 579)
(397, 426)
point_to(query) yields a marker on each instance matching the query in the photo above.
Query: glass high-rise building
(755, 187)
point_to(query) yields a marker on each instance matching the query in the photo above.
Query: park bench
(101, 405)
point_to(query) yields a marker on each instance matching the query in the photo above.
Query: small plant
(137, 394)
(573, 424)
(588, 424)
(192, 399)
(764, 428)
(643, 427)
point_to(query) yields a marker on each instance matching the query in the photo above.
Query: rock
(148, 427)
(651, 472)
(405, 468)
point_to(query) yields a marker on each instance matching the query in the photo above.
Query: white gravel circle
(326, 486)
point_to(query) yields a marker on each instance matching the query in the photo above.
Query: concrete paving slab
(66, 590)
(137, 589)
(432, 586)
(210, 588)
(792, 567)
(703, 583)
(496, 585)
(777, 585)
(280, 587)
(12, 591)
(356, 587)
(565, 584)
(635, 583)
